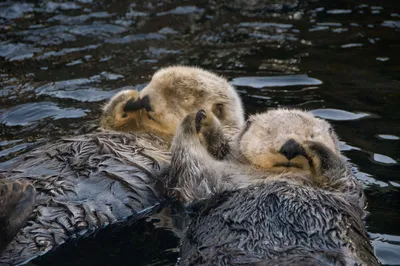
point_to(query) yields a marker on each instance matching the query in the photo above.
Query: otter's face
(171, 95)
(175, 92)
(273, 140)
(117, 117)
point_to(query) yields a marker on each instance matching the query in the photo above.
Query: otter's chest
(275, 221)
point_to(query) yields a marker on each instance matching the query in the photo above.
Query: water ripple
(388, 137)
(383, 159)
(67, 51)
(275, 81)
(136, 37)
(182, 10)
(265, 25)
(18, 51)
(387, 248)
(339, 115)
(24, 114)
(78, 19)
(391, 23)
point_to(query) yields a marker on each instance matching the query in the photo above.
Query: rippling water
(340, 59)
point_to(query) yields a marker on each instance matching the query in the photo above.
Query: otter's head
(172, 94)
(175, 92)
(273, 140)
(123, 112)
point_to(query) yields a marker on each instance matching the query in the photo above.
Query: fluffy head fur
(173, 93)
(262, 139)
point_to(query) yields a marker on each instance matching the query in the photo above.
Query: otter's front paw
(18, 200)
(204, 121)
(200, 116)
(321, 158)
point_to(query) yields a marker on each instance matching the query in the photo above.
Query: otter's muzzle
(291, 149)
(132, 105)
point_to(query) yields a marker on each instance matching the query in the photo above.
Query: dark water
(61, 60)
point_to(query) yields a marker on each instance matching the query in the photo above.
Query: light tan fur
(115, 118)
(259, 144)
(173, 93)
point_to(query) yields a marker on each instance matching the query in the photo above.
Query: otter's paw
(18, 200)
(133, 103)
(204, 120)
(320, 157)
(200, 116)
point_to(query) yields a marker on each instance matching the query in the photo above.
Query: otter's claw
(200, 116)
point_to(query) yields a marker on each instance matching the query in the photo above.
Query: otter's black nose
(132, 105)
(291, 149)
(146, 103)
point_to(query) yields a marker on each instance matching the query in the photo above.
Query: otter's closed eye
(150, 117)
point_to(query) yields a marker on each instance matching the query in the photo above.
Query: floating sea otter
(84, 183)
(282, 196)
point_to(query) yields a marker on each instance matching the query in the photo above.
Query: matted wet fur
(275, 213)
(84, 183)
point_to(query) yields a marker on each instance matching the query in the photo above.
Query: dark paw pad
(200, 116)
(326, 157)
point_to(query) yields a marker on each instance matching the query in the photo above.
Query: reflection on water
(25, 113)
(275, 81)
(338, 115)
(60, 60)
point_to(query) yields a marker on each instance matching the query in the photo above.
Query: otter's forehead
(184, 79)
(185, 71)
(288, 120)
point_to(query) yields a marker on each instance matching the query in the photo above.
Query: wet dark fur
(17, 200)
(83, 184)
(278, 222)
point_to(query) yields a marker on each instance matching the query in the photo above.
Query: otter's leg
(194, 173)
(332, 173)
(17, 200)
(210, 132)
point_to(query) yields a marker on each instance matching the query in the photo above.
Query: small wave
(275, 81)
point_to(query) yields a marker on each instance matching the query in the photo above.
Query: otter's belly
(279, 224)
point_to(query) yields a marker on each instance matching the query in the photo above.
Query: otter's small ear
(132, 106)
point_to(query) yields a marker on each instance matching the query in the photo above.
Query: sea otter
(283, 196)
(84, 183)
